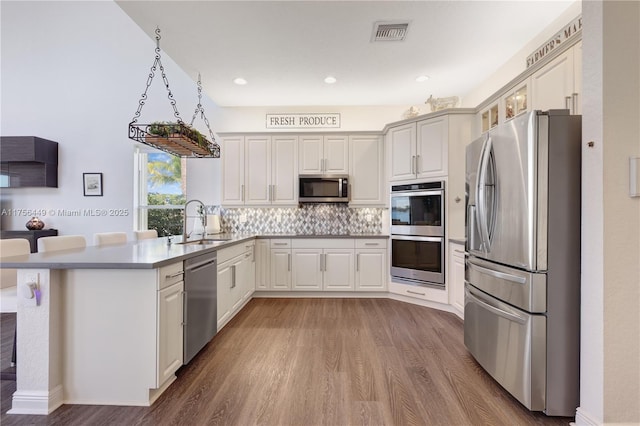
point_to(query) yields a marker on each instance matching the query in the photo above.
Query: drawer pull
(415, 292)
(177, 274)
(371, 244)
(280, 244)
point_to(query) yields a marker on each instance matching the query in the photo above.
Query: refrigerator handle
(480, 197)
(496, 274)
(477, 298)
(471, 228)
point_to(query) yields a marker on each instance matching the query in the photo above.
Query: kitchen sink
(205, 241)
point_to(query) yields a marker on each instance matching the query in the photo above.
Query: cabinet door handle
(358, 262)
(269, 195)
(574, 101)
(233, 276)
(184, 308)
(273, 193)
(413, 162)
(417, 164)
(567, 102)
(242, 192)
(289, 262)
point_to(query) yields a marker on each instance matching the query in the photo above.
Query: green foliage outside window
(165, 221)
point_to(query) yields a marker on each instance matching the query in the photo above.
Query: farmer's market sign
(562, 36)
(303, 121)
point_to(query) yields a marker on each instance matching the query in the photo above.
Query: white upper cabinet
(260, 170)
(366, 170)
(558, 84)
(284, 175)
(402, 143)
(257, 170)
(432, 153)
(232, 169)
(324, 154)
(419, 150)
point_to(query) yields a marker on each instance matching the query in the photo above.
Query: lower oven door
(509, 344)
(419, 260)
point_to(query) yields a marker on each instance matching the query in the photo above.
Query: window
(161, 191)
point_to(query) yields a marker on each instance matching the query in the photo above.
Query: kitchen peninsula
(106, 327)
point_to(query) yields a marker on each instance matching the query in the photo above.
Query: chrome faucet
(184, 223)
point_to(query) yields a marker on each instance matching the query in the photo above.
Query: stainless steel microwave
(323, 189)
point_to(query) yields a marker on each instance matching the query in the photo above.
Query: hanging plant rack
(175, 138)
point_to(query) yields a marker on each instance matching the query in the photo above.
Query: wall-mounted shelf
(28, 161)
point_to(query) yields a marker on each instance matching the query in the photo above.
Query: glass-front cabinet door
(515, 102)
(489, 118)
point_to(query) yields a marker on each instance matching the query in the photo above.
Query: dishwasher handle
(200, 265)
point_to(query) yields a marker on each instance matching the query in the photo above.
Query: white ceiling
(285, 49)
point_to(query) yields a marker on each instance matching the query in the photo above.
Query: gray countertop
(145, 254)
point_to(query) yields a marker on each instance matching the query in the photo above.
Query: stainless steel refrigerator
(522, 274)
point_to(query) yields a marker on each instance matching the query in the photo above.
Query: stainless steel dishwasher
(201, 303)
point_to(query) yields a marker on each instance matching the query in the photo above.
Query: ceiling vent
(389, 31)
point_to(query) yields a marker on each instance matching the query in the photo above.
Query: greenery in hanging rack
(174, 130)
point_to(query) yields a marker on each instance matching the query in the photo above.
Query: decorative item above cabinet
(28, 161)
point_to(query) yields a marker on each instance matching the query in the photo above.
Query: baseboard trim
(585, 419)
(36, 402)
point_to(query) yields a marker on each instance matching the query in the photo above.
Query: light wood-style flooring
(317, 362)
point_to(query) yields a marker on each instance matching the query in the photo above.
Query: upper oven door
(418, 213)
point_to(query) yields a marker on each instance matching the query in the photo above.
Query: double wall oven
(417, 233)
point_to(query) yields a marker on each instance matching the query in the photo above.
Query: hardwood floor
(319, 361)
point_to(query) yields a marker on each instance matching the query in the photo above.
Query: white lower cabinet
(371, 265)
(170, 336)
(306, 269)
(170, 317)
(323, 264)
(456, 278)
(279, 265)
(263, 264)
(236, 280)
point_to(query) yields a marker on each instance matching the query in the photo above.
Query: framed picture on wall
(92, 183)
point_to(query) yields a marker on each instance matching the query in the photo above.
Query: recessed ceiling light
(422, 78)
(240, 81)
(330, 79)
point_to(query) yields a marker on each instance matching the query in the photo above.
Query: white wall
(621, 140)
(610, 348)
(518, 63)
(73, 72)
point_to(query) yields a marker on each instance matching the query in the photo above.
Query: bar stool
(9, 280)
(109, 238)
(61, 242)
(9, 277)
(145, 235)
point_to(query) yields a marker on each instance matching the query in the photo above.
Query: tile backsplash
(325, 219)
